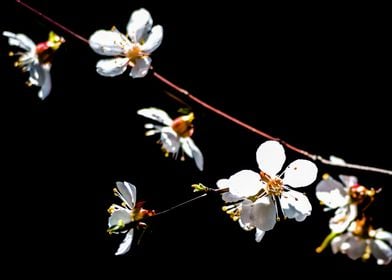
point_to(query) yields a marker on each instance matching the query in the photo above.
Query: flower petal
(170, 140)
(337, 242)
(300, 173)
(348, 181)
(295, 205)
(354, 247)
(195, 152)
(140, 69)
(384, 235)
(139, 25)
(259, 234)
(112, 67)
(270, 157)
(125, 244)
(110, 43)
(127, 192)
(261, 214)
(20, 40)
(381, 251)
(227, 196)
(122, 215)
(154, 40)
(45, 82)
(332, 193)
(343, 218)
(156, 115)
(245, 183)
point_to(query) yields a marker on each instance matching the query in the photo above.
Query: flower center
(183, 125)
(274, 186)
(134, 53)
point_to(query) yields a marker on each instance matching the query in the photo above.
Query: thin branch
(62, 27)
(202, 103)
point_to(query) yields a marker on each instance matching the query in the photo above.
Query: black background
(316, 76)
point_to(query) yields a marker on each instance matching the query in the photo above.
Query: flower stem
(180, 204)
(202, 103)
(326, 241)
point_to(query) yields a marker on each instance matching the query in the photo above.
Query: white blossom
(133, 49)
(253, 197)
(174, 134)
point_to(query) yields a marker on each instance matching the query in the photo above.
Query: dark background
(316, 76)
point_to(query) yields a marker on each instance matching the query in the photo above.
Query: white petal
(45, 82)
(259, 234)
(381, 251)
(170, 140)
(111, 43)
(112, 67)
(337, 242)
(261, 214)
(20, 40)
(196, 153)
(227, 196)
(126, 243)
(295, 205)
(384, 235)
(127, 192)
(245, 226)
(343, 218)
(156, 114)
(122, 215)
(354, 247)
(337, 160)
(332, 193)
(349, 181)
(139, 25)
(154, 40)
(300, 173)
(141, 67)
(270, 157)
(245, 183)
(185, 146)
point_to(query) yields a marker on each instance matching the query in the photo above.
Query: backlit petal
(154, 40)
(140, 69)
(270, 157)
(300, 173)
(332, 193)
(139, 25)
(110, 43)
(112, 67)
(126, 243)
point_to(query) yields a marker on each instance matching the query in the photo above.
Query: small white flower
(36, 59)
(131, 50)
(252, 196)
(344, 198)
(174, 134)
(361, 240)
(123, 215)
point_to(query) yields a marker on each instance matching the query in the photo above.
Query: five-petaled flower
(253, 197)
(129, 213)
(37, 59)
(175, 134)
(344, 198)
(361, 240)
(131, 50)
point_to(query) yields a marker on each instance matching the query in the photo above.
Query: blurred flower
(361, 240)
(252, 197)
(129, 212)
(175, 134)
(37, 59)
(344, 198)
(133, 50)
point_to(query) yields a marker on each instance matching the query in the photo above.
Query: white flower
(36, 59)
(362, 240)
(344, 198)
(175, 134)
(129, 212)
(131, 50)
(252, 196)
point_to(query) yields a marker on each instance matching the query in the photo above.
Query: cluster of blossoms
(351, 231)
